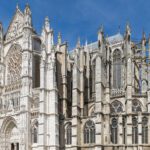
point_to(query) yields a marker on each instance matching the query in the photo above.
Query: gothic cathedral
(94, 97)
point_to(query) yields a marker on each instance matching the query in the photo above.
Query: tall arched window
(134, 130)
(117, 63)
(13, 66)
(116, 107)
(124, 129)
(144, 130)
(89, 132)
(92, 80)
(69, 134)
(35, 132)
(114, 130)
(136, 106)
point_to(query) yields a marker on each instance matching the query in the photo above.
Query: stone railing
(34, 113)
(11, 110)
(117, 92)
(13, 86)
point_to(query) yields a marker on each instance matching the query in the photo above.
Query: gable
(16, 26)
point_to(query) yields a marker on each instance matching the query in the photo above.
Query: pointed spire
(101, 29)
(143, 38)
(17, 6)
(86, 43)
(27, 13)
(128, 32)
(59, 38)
(100, 35)
(27, 10)
(1, 31)
(149, 39)
(78, 43)
(47, 23)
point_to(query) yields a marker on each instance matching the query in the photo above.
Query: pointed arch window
(136, 106)
(144, 130)
(35, 133)
(116, 107)
(134, 130)
(89, 132)
(117, 63)
(114, 130)
(92, 79)
(124, 128)
(69, 134)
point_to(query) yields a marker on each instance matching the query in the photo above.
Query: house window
(89, 132)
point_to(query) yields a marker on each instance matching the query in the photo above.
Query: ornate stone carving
(14, 60)
(16, 26)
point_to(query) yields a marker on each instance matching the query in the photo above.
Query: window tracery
(35, 132)
(136, 106)
(117, 63)
(69, 134)
(89, 132)
(14, 59)
(134, 130)
(116, 107)
(145, 130)
(114, 130)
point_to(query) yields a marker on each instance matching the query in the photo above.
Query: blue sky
(82, 18)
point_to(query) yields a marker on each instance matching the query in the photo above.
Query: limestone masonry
(94, 97)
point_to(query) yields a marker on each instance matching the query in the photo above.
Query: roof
(117, 38)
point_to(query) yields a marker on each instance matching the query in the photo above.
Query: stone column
(76, 105)
(139, 128)
(120, 132)
(52, 105)
(98, 104)
(42, 107)
(148, 129)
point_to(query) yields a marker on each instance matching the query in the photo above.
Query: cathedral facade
(95, 97)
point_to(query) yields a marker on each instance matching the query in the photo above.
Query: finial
(128, 27)
(100, 35)
(101, 29)
(86, 43)
(149, 39)
(143, 38)
(27, 9)
(59, 38)
(47, 23)
(17, 6)
(128, 32)
(143, 35)
(78, 43)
